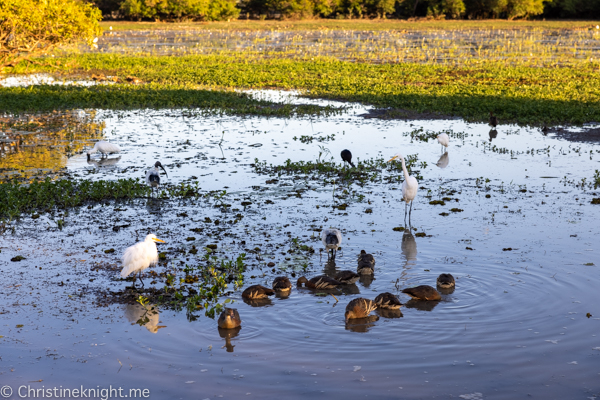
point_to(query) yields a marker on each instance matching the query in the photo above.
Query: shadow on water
(362, 325)
(421, 305)
(229, 334)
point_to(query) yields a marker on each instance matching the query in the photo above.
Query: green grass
(520, 94)
(354, 24)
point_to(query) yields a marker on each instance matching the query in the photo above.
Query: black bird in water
(347, 157)
(493, 120)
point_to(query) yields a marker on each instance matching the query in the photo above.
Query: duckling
(445, 281)
(332, 239)
(493, 120)
(366, 263)
(257, 292)
(319, 282)
(388, 301)
(347, 157)
(229, 319)
(423, 292)
(346, 277)
(359, 308)
(282, 284)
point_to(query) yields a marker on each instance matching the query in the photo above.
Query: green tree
(33, 27)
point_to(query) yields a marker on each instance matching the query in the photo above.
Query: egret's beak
(393, 158)
(158, 240)
(164, 171)
(160, 326)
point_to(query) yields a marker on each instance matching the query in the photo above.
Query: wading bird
(409, 186)
(444, 140)
(332, 239)
(359, 308)
(153, 176)
(104, 148)
(140, 256)
(493, 120)
(347, 157)
(423, 292)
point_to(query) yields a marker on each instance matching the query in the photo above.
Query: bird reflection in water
(229, 334)
(361, 324)
(103, 162)
(409, 246)
(422, 305)
(147, 316)
(443, 161)
(258, 302)
(493, 134)
(387, 313)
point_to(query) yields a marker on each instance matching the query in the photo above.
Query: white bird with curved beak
(104, 148)
(153, 175)
(140, 256)
(409, 186)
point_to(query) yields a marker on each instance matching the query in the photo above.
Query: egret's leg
(140, 274)
(405, 205)
(410, 212)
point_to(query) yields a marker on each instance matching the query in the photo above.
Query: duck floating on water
(445, 281)
(359, 308)
(346, 277)
(423, 292)
(282, 284)
(229, 319)
(319, 282)
(257, 292)
(366, 263)
(387, 301)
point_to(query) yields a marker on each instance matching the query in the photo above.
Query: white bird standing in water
(103, 147)
(140, 256)
(409, 186)
(153, 176)
(332, 239)
(444, 140)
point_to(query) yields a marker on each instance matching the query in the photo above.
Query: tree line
(215, 10)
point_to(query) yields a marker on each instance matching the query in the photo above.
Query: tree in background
(208, 10)
(33, 27)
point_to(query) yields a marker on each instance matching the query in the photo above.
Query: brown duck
(282, 284)
(366, 263)
(493, 120)
(445, 281)
(388, 301)
(319, 282)
(346, 277)
(257, 292)
(423, 292)
(229, 319)
(359, 308)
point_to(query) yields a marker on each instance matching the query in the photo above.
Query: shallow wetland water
(523, 248)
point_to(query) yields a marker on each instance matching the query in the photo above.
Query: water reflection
(443, 161)
(257, 302)
(409, 247)
(104, 162)
(229, 334)
(39, 145)
(366, 280)
(422, 305)
(389, 313)
(493, 134)
(147, 316)
(362, 324)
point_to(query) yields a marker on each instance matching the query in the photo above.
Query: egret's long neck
(404, 169)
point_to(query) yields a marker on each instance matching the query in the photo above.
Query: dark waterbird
(359, 308)
(318, 282)
(153, 175)
(282, 284)
(332, 239)
(257, 292)
(366, 263)
(229, 319)
(445, 281)
(347, 157)
(387, 301)
(493, 120)
(423, 292)
(346, 277)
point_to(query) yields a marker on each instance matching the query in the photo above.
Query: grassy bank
(521, 94)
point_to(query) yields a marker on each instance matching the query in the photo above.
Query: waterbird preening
(229, 319)
(366, 263)
(332, 239)
(104, 148)
(493, 120)
(423, 292)
(282, 284)
(444, 140)
(153, 175)
(257, 292)
(347, 157)
(346, 277)
(139, 257)
(409, 186)
(359, 308)
(318, 282)
(387, 301)
(445, 281)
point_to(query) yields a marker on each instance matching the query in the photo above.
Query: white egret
(444, 140)
(332, 239)
(347, 157)
(140, 256)
(104, 148)
(409, 186)
(153, 175)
